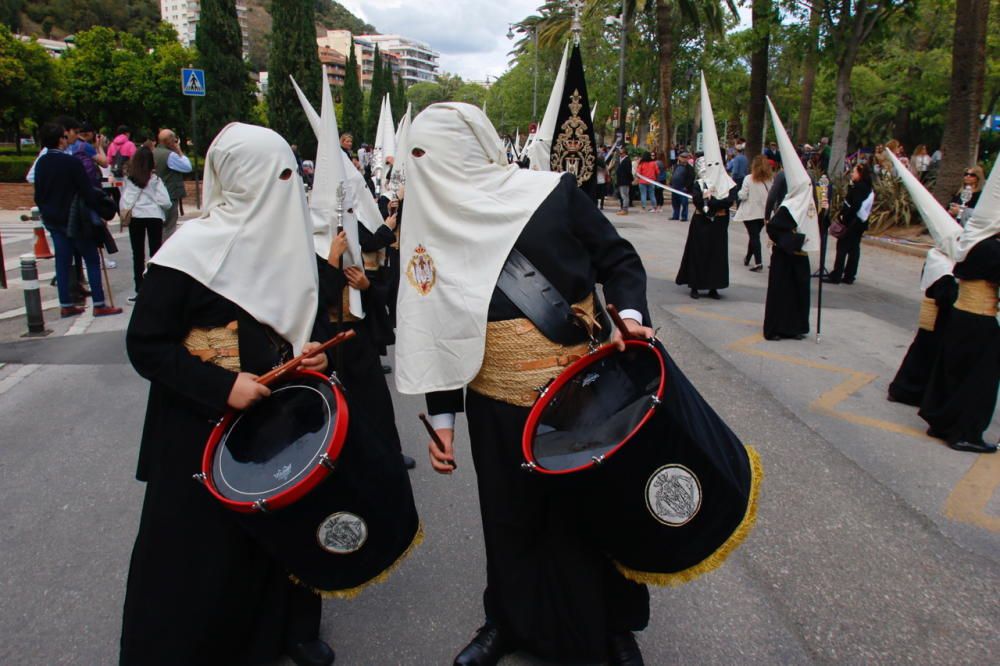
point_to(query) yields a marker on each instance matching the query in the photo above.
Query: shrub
(13, 167)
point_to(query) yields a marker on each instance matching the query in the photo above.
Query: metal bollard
(32, 297)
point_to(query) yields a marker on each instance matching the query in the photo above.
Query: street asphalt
(873, 544)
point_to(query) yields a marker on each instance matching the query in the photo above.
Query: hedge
(14, 168)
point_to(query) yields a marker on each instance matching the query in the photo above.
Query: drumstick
(619, 322)
(295, 362)
(434, 437)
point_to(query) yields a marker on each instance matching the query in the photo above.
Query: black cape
(962, 392)
(910, 382)
(786, 309)
(200, 590)
(705, 264)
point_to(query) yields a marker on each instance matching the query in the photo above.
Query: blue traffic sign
(193, 82)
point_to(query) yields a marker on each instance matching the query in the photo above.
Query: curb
(895, 245)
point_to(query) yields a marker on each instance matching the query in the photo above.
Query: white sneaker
(110, 263)
(131, 299)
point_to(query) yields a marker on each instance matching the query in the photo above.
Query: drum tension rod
(199, 477)
(261, 505)
(597, 459)
(529, 466)
(544, 388)
(325, 461)
(655, 400)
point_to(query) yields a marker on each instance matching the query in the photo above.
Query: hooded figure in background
(962, 391)
(548, 591)
(793, 227)
(229, 296)
(938, 286)
(705, 264)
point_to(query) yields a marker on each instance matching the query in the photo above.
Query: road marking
(967, 502)
(12, 380)
(19, 312)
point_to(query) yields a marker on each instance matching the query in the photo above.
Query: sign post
(193, 86)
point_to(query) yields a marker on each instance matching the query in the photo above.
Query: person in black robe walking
(232, 295)
(786, 307)
(705, 264)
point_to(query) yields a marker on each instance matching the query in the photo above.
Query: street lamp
(622, 22)
(534, 93)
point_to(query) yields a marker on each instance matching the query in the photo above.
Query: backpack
(118, 163)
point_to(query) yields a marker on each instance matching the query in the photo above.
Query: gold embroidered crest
(420, 272)
(573, 152)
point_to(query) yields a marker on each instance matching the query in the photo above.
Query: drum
(323, 495)
(669, 488)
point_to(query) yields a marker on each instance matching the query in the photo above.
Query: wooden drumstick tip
(434, 437)
(297, 361)
(619, 322)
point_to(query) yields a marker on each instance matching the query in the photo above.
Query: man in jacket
(171, 165)
(59, 178)
(683, 180)
(624, 178)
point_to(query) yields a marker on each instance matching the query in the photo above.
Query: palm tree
(763, 17)
(809, 66)
(960, 141)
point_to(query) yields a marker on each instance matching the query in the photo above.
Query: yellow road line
(967, 502)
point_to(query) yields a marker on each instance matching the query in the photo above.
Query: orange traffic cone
(42, 250)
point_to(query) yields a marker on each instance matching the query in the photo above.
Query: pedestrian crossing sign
(193, 82)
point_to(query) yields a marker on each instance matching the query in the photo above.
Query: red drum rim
(564, 377)
(303, 487)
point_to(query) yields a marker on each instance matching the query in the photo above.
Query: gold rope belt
(928, 314)
(219, 345)
(345, 307)
(977, 297)
(519, 359)
(373, 260)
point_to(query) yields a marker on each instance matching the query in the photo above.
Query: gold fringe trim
(715, 560)
(353, 592)
(928, 314)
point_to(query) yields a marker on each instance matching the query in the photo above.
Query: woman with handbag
(753, 197)
(143, 209)
(854, 214)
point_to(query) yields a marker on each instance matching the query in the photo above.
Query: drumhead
(270, 451)
(594, 408)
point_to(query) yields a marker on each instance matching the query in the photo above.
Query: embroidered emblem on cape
(573, 152)
(420, 272)
(673, 495)
(342, 533)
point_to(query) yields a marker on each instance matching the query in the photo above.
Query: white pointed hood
(715, 166)
(331, 175)
(985, 219)
(253, 242)
(539, 148)
(388, 130)
(401, 132)
(359, 201)
(800, 200)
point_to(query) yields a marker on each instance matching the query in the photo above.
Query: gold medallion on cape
(573, 152)
(420, 272)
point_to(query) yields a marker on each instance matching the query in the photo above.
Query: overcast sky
(470, 35)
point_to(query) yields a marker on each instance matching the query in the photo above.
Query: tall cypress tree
(375, 98)
(293, 52)
(353, 98)
(229, 91)
(401, 96)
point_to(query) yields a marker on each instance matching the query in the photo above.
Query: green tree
(400, 96)
(28, 82)
(229, 89)
(375, 95)
(351, 120)
(293, 53)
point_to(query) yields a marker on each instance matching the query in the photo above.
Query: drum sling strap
(533, 294)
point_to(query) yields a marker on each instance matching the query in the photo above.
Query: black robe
(962, 392)
(705, 264)
(380, 293)
(910, 381)
(549, 588)
(200, 590)
(786, 309)
(357, 361)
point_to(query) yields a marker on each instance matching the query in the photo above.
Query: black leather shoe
(974, 447)
(694, 294)
(408, 462)
(486, 648)
(830, 280)
(312, 653)
(623, 650)
(712, 293)
(386, 369)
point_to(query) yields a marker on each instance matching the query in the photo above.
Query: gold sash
(345, 304)
(519, 359)
(220, 345)
(928, 314)
(977, 297)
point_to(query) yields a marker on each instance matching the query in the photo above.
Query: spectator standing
(624, 178)
(824, 154)
(601, 176)
(920, 162)
(58, 179)
(147, 199)
(120, 151)
(967, 196)
(753, 198)
(661, 178)
(739, 167)
(647, 169)
(171, 165)
(682, 180)
(854, 214)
